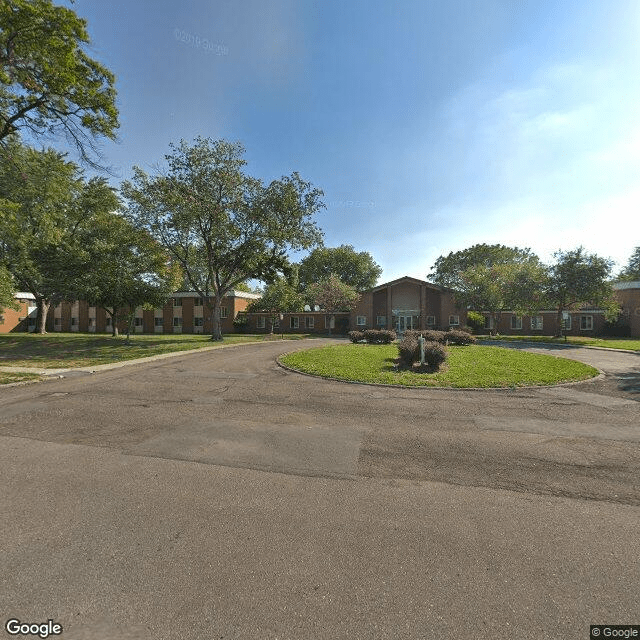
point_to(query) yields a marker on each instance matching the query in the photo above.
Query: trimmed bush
(456, 336)
(432, 335)
(379, 336)
(409, 352)
(434, 354)
(356, 336)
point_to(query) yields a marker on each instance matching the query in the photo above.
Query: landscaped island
(467, 366)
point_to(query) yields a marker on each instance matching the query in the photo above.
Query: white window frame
(261, 322)
(137, 322)
(456, 321)
(198, 321)
(361, 321)
(516, 323)
(294, 322)
(309, 322)
(177, 302)
(488, 322)
(57, 322)
(537, 323)
(74, 321)
(198, 302)
(108, 321)
(158, 322)
(430, 321)
(566, 324)
(224, 313)
(582, 323)
(177, 321)
(381, 321)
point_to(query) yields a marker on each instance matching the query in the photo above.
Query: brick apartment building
(405, 303)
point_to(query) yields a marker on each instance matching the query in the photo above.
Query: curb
(600, 376)
(562, 345)
(56, 374)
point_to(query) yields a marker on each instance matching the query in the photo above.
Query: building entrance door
(403, 323)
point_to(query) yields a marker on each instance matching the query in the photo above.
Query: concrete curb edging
(600, 375)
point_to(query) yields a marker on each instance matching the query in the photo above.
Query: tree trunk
(43, 309)
(130, 317)
(216, 328)
(559, 322)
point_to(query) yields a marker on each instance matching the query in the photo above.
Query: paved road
(217, 495)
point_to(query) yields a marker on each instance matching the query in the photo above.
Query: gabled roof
(410, 280)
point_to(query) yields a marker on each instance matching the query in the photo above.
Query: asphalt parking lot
(216, 495)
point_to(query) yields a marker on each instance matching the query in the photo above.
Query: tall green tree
(222, 226)
(45, 204)
(280, 296)
(357, 269)
(333, 295)
(578, 278)
(48, 84)
(447, 270)
(125, 268)
(7, 291)
(632, 270)
(493, 279)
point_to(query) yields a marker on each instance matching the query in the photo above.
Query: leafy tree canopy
(632, 270)
(357, 269)
(578, 278)
(280, 296)
(447, 269)
(125, 268)
(7, 291)
(48, 84)
(220, 225)
(45, 203)
(333, 295)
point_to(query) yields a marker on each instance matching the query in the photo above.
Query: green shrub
(432, 335)
(475, 320)
(455, 336)
(356, 336)
(379, 336)
(434, 354)
(409, 352)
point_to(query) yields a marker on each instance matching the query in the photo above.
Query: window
(381, 321)
(454, 321)
(431, 321)
(57, 322)
(586, 323)
(294, 322)
(488, 322)
(198, 302)
(361, 321)
(177, 322)
(566, 323)
(158, 322)
(309, 322)
(108, 322)
(1, 319)
(223, 312)
(260, 322)
(177, 302)
(92, 322)
(536, 323)
(198, 321)
(516, 322)
(74, 321)
(137, 322)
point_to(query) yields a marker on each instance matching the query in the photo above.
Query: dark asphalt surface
(216, 495)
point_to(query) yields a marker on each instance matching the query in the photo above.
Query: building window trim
(294, 322)
(516, 323)
(537, 323)
(586, 323)
(454, 321)
(361, 321)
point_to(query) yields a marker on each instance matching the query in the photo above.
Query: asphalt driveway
(216, 495)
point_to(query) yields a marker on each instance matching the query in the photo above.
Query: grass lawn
(632, 344)
(6, 378)
(57, 350)
(470, 366)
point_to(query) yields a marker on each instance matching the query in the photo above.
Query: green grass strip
(60, 350)
(470, 366)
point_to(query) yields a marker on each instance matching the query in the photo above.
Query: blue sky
(430, 126)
